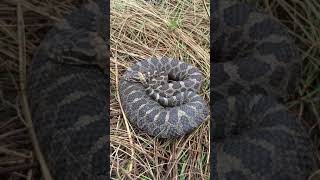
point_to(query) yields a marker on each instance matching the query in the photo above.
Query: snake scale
(256, 67)
(255, 137)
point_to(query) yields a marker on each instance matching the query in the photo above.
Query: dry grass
(138, 30)
(143, 31)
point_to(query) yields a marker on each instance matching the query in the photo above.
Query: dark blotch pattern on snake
(256, 66)
(67, 95)
(159, 96)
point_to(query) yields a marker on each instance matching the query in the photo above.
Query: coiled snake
(159, 95)
(255, 66)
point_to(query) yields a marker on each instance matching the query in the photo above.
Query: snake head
(135, 76)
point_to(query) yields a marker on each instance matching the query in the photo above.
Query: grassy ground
(178, 29)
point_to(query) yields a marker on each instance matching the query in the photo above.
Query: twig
(15, 168)
(205, 6)
(24, 101)
(31, 7)
(14, 153)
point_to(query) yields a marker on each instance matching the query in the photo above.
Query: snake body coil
(160, 96)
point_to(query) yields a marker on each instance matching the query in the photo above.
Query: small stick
(24, 101)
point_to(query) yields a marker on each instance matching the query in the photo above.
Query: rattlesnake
(159, 95)
(255, 66)
(67, 96)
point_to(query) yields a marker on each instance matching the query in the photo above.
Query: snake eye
(131, 76)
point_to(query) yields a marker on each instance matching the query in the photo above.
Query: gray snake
(163, 102)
